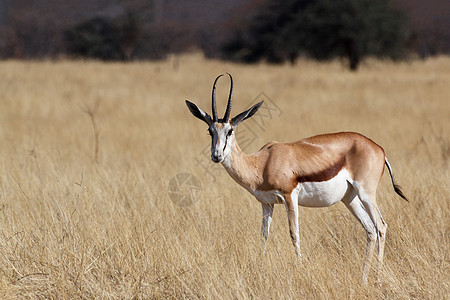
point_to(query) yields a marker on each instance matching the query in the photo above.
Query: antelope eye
(230, 132)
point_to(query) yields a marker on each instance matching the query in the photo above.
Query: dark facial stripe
(226, 141)
(325, 174)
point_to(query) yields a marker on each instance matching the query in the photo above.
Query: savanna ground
(81, 223)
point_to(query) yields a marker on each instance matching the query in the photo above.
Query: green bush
(323, 29)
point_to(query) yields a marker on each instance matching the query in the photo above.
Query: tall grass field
(107, 190)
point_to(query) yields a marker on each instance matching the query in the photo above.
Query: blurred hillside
(152, 29)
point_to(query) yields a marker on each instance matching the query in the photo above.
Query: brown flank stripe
(323, 175)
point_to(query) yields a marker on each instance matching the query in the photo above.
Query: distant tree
(95, 38)
(355, 29)
(323, 29)
(129, 34)
(273, 33)
(105, 38)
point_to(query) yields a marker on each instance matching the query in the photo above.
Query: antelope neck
(241, 167)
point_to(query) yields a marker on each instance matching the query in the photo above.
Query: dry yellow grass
(73, 227)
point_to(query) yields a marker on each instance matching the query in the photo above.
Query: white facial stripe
(220, 148)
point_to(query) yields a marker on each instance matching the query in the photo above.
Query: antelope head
(222, 130)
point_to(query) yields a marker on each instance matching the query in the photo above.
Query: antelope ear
(246, 114)
(197, 112)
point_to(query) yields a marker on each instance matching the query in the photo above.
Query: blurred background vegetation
(247, 31)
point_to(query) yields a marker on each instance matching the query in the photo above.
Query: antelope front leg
(291, 203)
(267, 211)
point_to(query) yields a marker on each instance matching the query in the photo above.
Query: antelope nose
(215, 157)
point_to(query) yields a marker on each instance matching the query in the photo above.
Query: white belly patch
(270, 197)
(312, 194)
(324, 193)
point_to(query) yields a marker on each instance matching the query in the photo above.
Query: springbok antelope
(318, 171)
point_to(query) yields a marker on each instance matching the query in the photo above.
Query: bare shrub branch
(91, 111)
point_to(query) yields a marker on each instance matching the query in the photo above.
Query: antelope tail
(397, 188)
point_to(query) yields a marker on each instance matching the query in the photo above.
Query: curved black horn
(226, 117)
(214, 108)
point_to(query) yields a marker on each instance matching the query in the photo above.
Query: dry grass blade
(71, 228)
